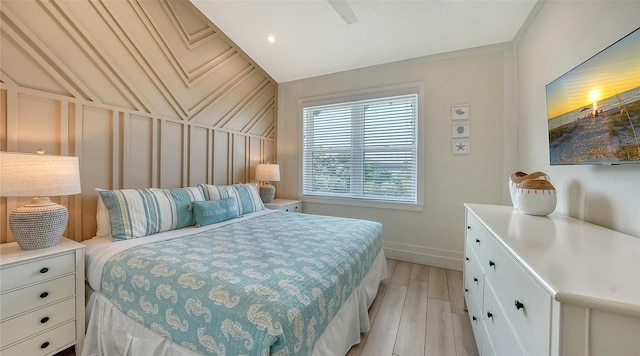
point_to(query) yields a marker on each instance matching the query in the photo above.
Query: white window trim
(409, 88)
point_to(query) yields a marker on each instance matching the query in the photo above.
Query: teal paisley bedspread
(264, 286)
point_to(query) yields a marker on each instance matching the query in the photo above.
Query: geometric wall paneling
(200, 152)
(222, 165)
(145, 93)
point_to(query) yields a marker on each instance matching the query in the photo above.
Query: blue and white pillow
(246, 195)
(215, 211)
(180, 200)
(217, 192)
(141, 212)
(248, 198)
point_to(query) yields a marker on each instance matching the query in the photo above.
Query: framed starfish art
(460, 146)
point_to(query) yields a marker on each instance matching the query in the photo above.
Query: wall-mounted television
(593, 110)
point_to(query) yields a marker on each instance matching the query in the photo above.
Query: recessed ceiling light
(271, 39)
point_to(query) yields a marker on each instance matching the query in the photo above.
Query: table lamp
(267, 173)
(42, 222)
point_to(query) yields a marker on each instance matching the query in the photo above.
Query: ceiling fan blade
(343, 9)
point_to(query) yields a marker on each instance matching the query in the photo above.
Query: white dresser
(41, 299)
(550, 285)
(294, 206)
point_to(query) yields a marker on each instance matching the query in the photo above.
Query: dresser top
(577, 262)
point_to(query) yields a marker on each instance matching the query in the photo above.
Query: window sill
(365, 203)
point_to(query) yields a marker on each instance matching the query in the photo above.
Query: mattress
(268, 283)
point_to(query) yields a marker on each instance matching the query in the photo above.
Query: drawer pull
(44, 345)
(468, 227)
(519, 305)
(474, 318)
(467, 258)
(466, 290)
(44, 320)
(489, 315)
(475, 279)
(477, 241)
(44, 294)
(491, 264)
(44, 270)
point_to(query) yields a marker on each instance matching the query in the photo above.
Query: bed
(265, 283)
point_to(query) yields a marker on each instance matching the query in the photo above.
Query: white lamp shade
(268, 172)
(35, 175)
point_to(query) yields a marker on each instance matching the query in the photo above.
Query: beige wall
(146, 94)
(562, 35)
(434, 235)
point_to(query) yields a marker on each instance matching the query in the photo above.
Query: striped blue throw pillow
(141, 212)
(246, 195)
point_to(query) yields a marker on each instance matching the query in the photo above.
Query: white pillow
(102, 218)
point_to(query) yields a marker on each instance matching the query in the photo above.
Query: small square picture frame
(460, 112)
(460, 129)
(460, 146)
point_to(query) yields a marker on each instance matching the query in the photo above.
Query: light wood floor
(419, 310)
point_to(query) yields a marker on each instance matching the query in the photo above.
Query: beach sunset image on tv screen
(593, 111)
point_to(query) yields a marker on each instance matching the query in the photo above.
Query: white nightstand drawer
(294, 206)
(525, 303)
(39, 320)
(36, 270)
(45, 343)
(36, 296)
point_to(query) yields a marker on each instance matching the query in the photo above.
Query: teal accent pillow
(215, 211)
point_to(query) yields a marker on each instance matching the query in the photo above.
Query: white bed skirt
(111, 333)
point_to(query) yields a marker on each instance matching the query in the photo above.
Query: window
(363, 149)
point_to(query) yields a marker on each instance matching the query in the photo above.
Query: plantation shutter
(364, 149)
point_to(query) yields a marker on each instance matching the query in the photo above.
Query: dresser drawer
(475, 317)
(503, 339)
(473, 276)
(39, 295)
(477, 235)
(37, 321)
(45, 343)
(526, 304)
(35, 271)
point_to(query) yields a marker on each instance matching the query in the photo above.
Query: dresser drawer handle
(44, 270)
(489, 315)
(475, 279)
(474, 318)
(44, 294)
(44, 320)
(491, 263)
(44, 345)
(466, 290)
(519, 305)
(477, 241)
(468, 227)
(467, 258)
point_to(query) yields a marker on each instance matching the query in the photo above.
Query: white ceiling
(313, 39)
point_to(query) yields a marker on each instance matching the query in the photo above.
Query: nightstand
(294, 206)
(41, 298)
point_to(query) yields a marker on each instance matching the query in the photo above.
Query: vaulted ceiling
(316, 37)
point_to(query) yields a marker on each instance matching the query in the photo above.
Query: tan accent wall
(145, 93)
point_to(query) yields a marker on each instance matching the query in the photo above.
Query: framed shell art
(460, 112)
(460, 129)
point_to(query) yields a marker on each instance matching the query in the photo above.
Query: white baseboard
(423, 255)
